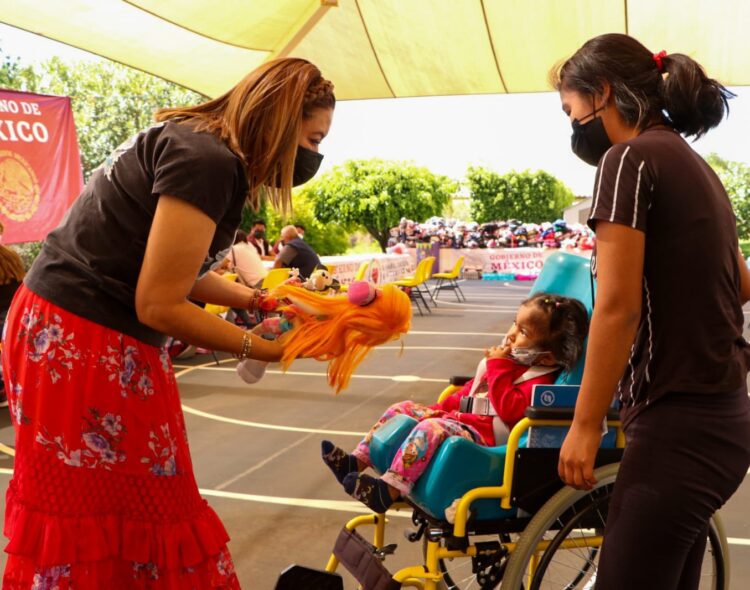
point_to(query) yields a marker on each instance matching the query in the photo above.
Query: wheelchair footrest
(363, 561)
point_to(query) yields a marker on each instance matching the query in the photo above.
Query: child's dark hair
(646, 87)
(568, 326)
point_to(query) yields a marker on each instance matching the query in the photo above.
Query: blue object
(494, 276)
(558, 396)
(460, 465)
(570, 276)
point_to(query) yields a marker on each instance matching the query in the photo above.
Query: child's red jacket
(509, 391)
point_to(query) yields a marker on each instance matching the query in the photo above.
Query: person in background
(279, 245)
(246, 262)
(296, 253)
(257, 239)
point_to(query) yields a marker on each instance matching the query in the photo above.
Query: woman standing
(666, 334)
(103, 493)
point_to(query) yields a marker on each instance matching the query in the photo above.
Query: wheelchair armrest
(535, 413)
(459, 380)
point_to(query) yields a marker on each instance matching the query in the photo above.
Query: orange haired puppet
(340, 329)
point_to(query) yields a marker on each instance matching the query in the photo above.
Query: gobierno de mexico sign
(40, 166)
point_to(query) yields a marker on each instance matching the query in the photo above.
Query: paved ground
(256, 448)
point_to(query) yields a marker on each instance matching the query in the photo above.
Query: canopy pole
(289, 42)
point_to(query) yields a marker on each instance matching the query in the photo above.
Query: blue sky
(448, 134)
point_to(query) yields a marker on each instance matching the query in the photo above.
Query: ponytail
(694, 103)
(646, 88)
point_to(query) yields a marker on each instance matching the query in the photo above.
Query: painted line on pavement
(463, 305)
(495, 310)
(218, 418)
(427, 348)
(337, 505)
(210, 366)
(428, 333)
(397, 378)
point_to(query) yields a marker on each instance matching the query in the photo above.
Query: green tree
(376, 194)
(111, 102)
(736, 179)
(532, 197)
(12, 74)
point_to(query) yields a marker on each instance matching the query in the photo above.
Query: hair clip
(361, 293)
(658, 57)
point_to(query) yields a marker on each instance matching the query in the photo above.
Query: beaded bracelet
(247, 345)
(257, 299)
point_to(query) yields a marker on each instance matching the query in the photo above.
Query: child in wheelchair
(546, 337)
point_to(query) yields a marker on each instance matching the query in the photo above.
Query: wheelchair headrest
(570, 276)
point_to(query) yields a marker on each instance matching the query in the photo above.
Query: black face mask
(589, 140)
(259, 233)
(306, 165)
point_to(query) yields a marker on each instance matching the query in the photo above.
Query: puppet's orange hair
(331, 328)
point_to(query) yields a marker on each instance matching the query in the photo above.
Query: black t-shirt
(90, 264)
(690, 334)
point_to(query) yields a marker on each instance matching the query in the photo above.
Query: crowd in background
(451, 233)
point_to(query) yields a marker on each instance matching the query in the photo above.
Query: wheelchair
(516, 526)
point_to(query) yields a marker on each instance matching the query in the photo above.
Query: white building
(578, 212)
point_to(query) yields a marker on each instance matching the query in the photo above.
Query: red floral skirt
(103, 494)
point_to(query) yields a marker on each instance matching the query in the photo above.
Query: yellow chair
(275, 277)
(413, 283)
(449, 280)
(220, 310)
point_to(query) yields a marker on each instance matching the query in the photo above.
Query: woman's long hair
(336, 330)
(11, 266)
(260, 119)
(646, 88)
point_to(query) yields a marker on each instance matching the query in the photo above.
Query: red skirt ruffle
(103, 493)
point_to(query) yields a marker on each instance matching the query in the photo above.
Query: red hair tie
(658, 57)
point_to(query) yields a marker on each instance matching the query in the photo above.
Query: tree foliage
(736, 179)
(111, 102)
(327, 239)
(532, 197)
(376, 194)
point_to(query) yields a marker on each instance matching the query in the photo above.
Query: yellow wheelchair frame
(526, 551)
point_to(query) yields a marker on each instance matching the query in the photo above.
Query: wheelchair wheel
(569, 528)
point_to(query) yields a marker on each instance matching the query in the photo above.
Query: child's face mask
(526, 356)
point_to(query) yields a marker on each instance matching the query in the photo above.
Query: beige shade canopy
(385, 48)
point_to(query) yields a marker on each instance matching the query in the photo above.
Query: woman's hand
(576, 465)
